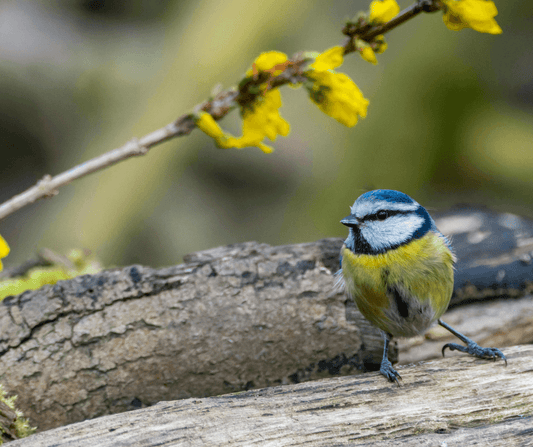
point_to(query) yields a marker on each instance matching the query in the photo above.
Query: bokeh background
(450, 121)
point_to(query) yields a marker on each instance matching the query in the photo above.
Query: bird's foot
(474, 349)
(389, 372)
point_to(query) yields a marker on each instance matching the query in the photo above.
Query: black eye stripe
(390, 213)
(357, 243)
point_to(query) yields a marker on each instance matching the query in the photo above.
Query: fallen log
(233, 318)
(452, 401)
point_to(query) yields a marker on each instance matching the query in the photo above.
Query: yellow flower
(208, 125)
(265, 119)
(338, 96)
(476, 14)
(368, 50)
(267, 61)
(335, 93)
(4, 250)
(380, 44)
(383, 10)
(329, 59)
(261, 118)
(367, 53)
(262, 121)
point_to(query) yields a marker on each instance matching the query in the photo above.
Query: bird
(399, 269)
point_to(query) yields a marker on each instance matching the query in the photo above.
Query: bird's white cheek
(394, 231)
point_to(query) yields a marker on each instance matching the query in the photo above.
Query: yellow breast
(403, 290)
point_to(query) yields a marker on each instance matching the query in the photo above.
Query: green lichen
(21, 427)
(37, 277)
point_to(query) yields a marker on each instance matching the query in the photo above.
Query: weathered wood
(232, 318)
(494, 253)
(491, 324)
(439, 402)
(7, 421)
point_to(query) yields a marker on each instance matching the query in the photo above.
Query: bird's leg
(386, 366)
(471, 347)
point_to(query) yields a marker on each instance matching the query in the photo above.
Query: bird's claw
(474, 349)
(389, 372)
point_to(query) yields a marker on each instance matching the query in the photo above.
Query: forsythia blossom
(335, 93)
(270, 61)
(368, 50)
(367, 53)
(476, 14)
(261, 119)
(383, 10)
(4, 250)
(209, 126)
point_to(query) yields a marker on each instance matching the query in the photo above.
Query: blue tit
(398, 268)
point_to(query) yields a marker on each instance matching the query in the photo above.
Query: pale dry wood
(438, 403)
(500, 323)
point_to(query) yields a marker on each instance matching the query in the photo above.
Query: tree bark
(452, 401)
(233, 318)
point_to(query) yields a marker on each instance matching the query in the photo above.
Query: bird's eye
(382, 215)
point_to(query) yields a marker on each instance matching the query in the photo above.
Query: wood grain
(446, 402)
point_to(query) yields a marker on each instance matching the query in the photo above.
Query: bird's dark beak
(350, 221)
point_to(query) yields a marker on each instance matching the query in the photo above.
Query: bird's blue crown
(386, 195)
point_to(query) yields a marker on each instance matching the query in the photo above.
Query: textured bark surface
(233, 318)
(454, 401)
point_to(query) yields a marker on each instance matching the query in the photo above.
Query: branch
(218, 107)
(404, 16)
(48, 186)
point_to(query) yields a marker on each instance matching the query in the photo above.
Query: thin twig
(403, 16)
(368, 33)
(48, 186)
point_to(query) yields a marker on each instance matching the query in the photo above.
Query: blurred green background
(450, 120)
